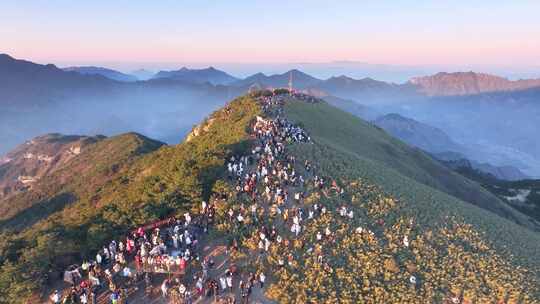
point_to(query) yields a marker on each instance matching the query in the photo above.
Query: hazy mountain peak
(259, 74)
(371, 80)
(210, 75)
(417, 134)
(295, 71)
(341, 78)
(298, 73)
(467, 83)
(6, 57)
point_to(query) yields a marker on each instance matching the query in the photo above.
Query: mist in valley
(165, 113)
(496, 128)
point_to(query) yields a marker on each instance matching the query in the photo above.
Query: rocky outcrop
(29, 162)
(200, 129)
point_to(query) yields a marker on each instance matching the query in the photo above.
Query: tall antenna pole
(290, 83)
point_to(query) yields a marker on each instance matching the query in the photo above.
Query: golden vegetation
(371, 261)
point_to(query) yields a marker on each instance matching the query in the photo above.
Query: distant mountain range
(364, 90)
(210, 75)
(36, 99)
(440, 84)
(23, 82)
(111, 74)
(502, 115)
(437, 143)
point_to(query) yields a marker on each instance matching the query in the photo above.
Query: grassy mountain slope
(348, 134)
(456, 251)
(123, 182)
(358, 149)
(153, 183)
(429, 206)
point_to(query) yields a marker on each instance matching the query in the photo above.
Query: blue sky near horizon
(159, 33)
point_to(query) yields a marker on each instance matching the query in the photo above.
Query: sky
(157, 34)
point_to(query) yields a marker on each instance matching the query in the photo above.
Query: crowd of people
(265, 176)
(122, 264)
(274, 216)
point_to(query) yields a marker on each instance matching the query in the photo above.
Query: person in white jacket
(262, 278)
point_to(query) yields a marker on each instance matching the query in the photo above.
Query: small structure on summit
(75, 150)
(26, 179)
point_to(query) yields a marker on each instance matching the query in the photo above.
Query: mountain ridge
(210, 75)
(440, 84)
(417, 134)
(108, 73)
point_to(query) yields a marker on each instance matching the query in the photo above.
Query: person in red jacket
(138, 262)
